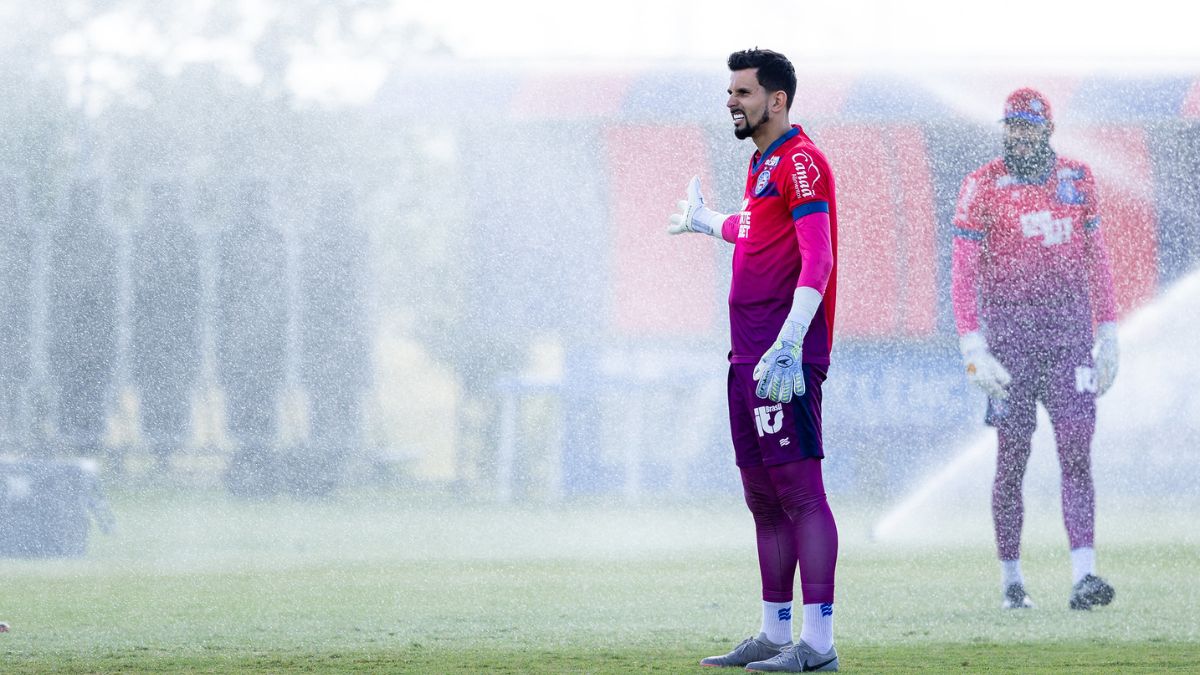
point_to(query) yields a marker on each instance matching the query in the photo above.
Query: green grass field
(383, 582)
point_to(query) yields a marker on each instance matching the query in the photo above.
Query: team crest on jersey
(764, 179)
(805, 176)
(1068, 192)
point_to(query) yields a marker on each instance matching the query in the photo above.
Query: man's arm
(983, 369)
(1105, 352)
(964, 279)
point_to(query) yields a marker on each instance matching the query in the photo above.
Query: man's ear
(778, 101)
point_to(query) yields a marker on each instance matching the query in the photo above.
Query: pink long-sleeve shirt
(785, 236)
(1029, 261)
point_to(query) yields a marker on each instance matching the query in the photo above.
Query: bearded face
(1027, 151)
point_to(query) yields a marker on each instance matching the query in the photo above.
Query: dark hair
(775, 72)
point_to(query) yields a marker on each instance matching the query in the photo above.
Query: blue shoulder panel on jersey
(773, 147)
(973, 235)
(809, 208)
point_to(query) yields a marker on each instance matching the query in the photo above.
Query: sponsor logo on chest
(1053, 231)
(805, 175)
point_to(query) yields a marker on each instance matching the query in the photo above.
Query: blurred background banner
(316, 243)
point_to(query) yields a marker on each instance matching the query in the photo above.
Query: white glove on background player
(1105, 354)
(983, 370)
(780, 372)
(693, 216)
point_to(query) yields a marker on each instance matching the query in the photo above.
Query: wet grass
(378, 583)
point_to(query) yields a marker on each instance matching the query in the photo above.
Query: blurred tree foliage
(134, 91)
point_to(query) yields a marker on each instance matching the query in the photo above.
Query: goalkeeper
(781, 303)
(1033, 303)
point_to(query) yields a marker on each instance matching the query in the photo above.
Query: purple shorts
(1061, 377)
(766, 433)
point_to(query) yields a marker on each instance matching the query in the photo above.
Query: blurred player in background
(1033, 304)
(781, 303)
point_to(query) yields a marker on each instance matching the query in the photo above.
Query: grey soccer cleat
(749, 650)
(1015, 597)
(1090, 592)
(800, 658)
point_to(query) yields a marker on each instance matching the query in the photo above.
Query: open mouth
(738, 116)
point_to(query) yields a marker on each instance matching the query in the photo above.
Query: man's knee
(758, 490)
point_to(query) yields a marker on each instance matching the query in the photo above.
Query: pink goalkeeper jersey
(1029, 261)
(788, 182)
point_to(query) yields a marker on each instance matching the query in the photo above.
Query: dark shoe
(1015, 597)
(1090, 592)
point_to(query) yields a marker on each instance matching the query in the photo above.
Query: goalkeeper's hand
(1105, 354)
(780, 373)
(983, 370)
(693, 216)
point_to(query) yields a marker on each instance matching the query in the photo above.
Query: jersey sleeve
(816, 250)
(808, 192)
(969, 234)
(729, 227)
(967, 221)
(808, 184)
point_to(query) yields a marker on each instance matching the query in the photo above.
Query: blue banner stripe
(809, 208)
(973, 235)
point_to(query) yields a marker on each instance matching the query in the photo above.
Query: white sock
(777, 622)
(817, 630)
(1010, 573)
(1083, 563)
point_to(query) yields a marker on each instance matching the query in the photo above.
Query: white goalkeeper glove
(693, 216)
(1105, 354)
(983, 370)
(780, 372)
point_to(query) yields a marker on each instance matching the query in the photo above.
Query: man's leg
(1074, 439)
(793, 459)
(775, 536)
(772, 528)
(801, 493)
(751, 422)
(1071, 403)
(1015, 420)
(792, 454)
(1008, 509)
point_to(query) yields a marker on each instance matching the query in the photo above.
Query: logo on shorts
(1085, 380)
(766, 422)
